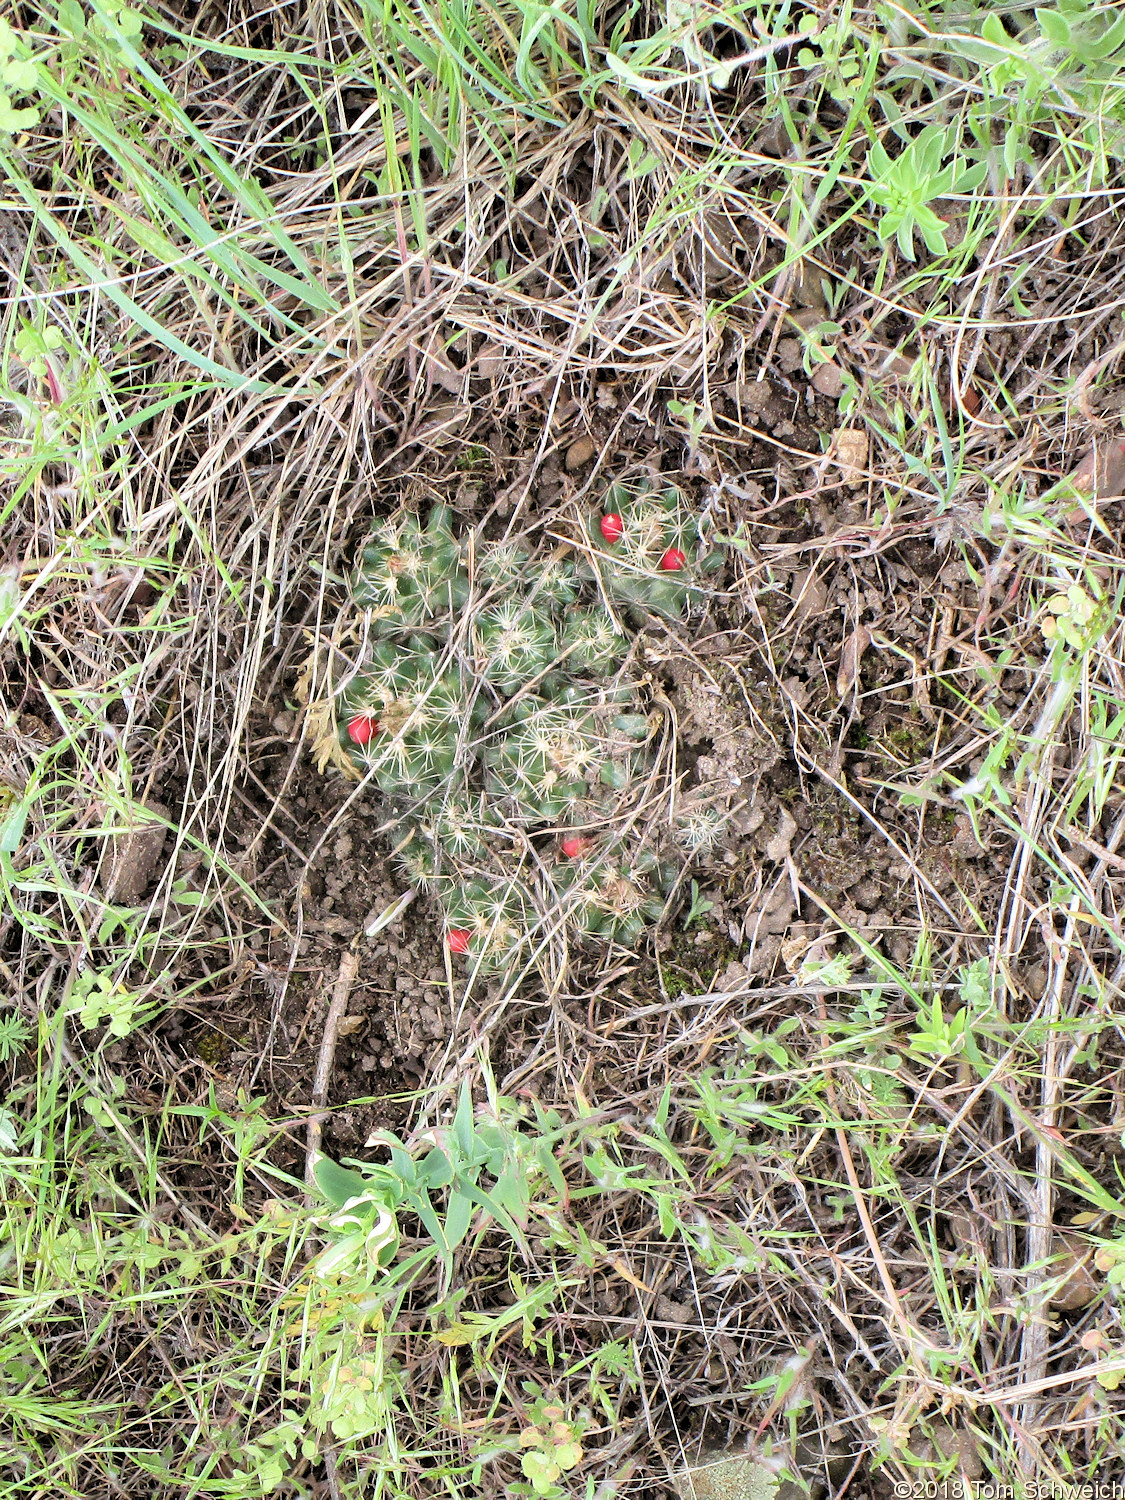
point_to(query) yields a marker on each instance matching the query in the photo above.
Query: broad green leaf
(1106, 44)
(992, 30)
(420, 1203)
(12, 119)
(458, 1218)
(568, 1455)
(550, 1166)
(435, 1169)
(970, 178)
(21, 74)
(11, 830)
(463, 1125)
(1054, 27)
(338, 1183)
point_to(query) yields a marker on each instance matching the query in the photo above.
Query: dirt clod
(941, 1440)
(1074, 1263)
(131, 859)
(828, 379)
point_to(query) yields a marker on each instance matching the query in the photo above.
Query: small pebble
(828, 379)
(580, 452)
(850, 450)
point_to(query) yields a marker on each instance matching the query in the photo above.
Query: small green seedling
(905, 186)
(353, 1402)
(14, 1035)
(552, 1447)
(699, 907)
(939, 1038)
(99, 997)
(1073, 617)
(18, 75)
(475, 1171)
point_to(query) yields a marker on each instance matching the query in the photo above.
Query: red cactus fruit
(612, 527)
(575, 844)
(458, 939)
(363, 728)
(672, 560)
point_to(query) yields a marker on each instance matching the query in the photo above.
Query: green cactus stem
(498, 917)
(655, 561)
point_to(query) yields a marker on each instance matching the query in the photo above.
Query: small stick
(341, 991)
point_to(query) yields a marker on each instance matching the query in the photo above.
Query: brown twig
(341, 993)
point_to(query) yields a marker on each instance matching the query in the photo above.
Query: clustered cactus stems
(496, 706)
(410, 577)
(616, 897)
(646, 551)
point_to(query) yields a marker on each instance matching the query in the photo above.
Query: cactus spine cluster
(495, 705)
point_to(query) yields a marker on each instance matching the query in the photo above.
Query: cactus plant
(593, 643)
(644, 535)
(488, 725)
(610, 894)
(496, 916)
(410, 577)
(697, 829)
(517, 642)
